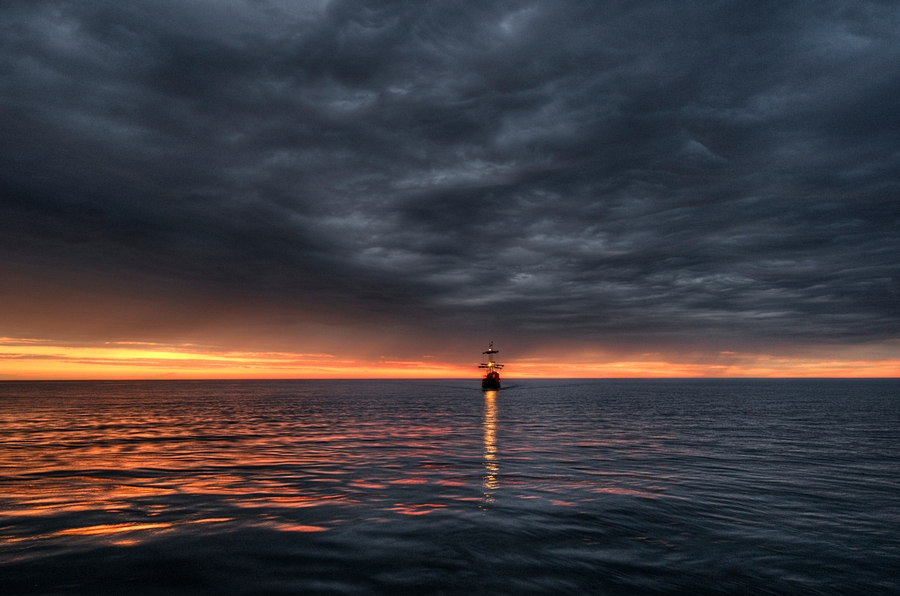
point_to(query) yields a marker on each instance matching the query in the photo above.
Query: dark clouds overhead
(654, 170)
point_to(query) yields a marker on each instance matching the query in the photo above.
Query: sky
(280, 188)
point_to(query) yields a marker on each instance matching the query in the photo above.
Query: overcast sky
(703, 173)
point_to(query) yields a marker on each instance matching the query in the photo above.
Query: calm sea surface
(433, 487)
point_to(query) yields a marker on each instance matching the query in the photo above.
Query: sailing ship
(491, 380)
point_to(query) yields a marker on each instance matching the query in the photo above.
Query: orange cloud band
(23, 358)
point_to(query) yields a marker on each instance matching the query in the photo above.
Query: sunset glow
(36, 359)
(43, 359)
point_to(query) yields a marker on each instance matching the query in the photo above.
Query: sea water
(434, 487)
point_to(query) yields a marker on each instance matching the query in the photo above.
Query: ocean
(434, 487)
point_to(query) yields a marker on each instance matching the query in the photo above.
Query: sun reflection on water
(127, 463)
(491, 464)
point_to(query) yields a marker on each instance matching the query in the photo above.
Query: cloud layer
(604, 171)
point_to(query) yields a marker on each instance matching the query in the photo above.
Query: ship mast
(488, 361)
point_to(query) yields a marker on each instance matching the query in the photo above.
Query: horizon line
(473, 379)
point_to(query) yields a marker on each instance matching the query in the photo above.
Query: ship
(491, 381)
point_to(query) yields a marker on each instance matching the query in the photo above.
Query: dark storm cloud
(658, 169)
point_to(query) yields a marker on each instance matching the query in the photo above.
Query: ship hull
(490, 382)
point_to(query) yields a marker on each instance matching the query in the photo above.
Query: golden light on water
(106, 529)
(491, 464)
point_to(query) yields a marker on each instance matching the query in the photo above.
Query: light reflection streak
(491, 464)
(364, 484)
(416, 509)
(292, 502)
(125, 542)
(106, 529)
(299, 528)
(113, 530)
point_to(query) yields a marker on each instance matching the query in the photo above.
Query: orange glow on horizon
(751, 366)
(42, 359)
(39, 359)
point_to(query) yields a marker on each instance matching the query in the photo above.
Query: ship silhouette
(491, 381)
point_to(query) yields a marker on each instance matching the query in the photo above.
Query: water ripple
(618, 487)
